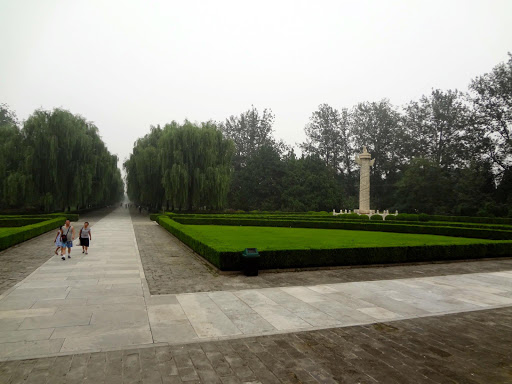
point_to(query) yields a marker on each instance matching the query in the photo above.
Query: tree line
(55, 161)
(449, 152)
(183, 167)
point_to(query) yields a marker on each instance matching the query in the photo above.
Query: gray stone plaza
(142, 307)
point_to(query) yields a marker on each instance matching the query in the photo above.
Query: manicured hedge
(21, 234)
(46, 216)
(154, 216)
(19, 222)
(469, 219)
(349, 217)
(407, 217)
(327, 215)
(365, 256)
(70, 216)
(480, 233)
(230, 261)
(390, 219)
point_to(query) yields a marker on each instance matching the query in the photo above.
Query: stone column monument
(365, 162)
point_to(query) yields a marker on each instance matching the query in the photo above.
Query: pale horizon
(128, 65)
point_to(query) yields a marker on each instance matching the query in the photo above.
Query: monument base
(365, 212)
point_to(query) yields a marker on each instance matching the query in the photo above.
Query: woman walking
(85, 236)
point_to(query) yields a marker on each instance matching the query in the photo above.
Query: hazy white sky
(128, 64)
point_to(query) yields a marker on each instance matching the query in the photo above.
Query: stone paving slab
(90, 308)
(19, 261)
(469, 348)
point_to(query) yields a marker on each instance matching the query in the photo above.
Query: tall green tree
(329, 136)
(260, 181)
(491, 94)
(58, 162)
(424, 188)
(249, 131)
(185, 166)
(440, 129)
(310, 185)
(14, 183)
(377, 125)
(196, 165)
(144, 171)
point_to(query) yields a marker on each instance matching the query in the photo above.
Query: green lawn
(231, 238)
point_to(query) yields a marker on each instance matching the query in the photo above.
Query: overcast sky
(126, 65)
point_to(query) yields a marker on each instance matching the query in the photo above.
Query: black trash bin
(250, 261)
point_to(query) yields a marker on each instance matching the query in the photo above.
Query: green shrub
(335, 257)
(71, 216)
(154, 216)
(27, 232)
(46, 216)
(469, 219)
(366, 256)
(376, 218)
(390, 218)
(407, 217)
(20, 221)
(352, 216)
(423, 217)
(399, 227)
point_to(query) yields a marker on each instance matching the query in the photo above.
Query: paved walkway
(101, 302)
(19, 261)
(470, 347)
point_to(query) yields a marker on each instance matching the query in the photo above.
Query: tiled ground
(171, 267)
(472, 347)
(101, 301)
(19, 261)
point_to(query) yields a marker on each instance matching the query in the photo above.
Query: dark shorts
(84, 241)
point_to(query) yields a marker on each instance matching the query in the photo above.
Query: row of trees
(55, 161)
(448, 152)
(184, 166)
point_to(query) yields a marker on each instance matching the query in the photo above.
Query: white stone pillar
(365, 162)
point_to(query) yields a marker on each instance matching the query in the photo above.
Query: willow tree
(143, 170)
(13, 179)
(196, 165)
(61, 162)
(188, 166)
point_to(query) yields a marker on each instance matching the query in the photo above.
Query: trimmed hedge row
(391, 219)
(480, 233)
(365, 256)
(70, 216)
(349, 217)
(29, 231)
(46, 216)
(19, 222)
(353, 216)
(470, 219)
(304, 258)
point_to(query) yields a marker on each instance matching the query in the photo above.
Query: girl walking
(57, 240)
(85, 236)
